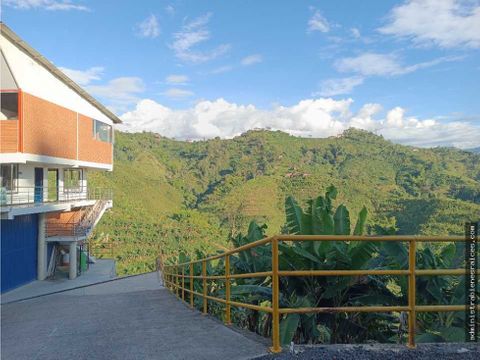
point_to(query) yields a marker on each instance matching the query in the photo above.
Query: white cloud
(83, 77)
(119, 93)
(177, 79)
(170, 10)
(252, 59)
(175, 93)
(355, 33)
(445, 23)
(222, 69)
(311, 117)
(318, 23)
(374, 64)
(149, 28)
(45, 4)
(190, 36)
(332, 87)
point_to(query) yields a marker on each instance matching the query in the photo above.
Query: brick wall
(90, 149)
(51, 130)
(8, 136)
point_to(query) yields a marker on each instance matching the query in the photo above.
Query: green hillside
(188, 196)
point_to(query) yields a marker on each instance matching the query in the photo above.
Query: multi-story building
(52, 133)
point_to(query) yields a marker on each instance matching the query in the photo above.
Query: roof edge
(22, 45)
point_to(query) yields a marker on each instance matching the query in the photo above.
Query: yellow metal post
(191, 285)
(412, 316)
(275, 300)
(227, 290)
(183, 283)
(176, 281)
(204, 274)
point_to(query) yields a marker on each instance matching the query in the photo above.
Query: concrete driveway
(133, 318)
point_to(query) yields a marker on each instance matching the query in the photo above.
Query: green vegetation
(190, 196)
(320, 218)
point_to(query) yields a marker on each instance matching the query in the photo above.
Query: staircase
(79, 225)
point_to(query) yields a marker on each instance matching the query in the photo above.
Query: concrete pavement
(102, 270)
(133, 318)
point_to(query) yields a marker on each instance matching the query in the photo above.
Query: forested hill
(191, 195)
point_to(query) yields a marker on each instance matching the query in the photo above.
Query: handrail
(172, 273)
(24, 195)
(77, 226)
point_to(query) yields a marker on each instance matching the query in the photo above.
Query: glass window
(102, 131)
(72, 179)
(9, 106)
(9, 176)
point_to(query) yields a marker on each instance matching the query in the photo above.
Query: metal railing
(79, 224)
(174, 279)
(25, 195)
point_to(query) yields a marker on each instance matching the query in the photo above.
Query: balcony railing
(48, 194)
(180, 277)
(80, 223)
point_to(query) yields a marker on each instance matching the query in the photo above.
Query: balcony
(37, 199)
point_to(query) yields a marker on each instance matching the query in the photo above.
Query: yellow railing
(172, 273)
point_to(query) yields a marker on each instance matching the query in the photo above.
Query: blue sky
(409, 70)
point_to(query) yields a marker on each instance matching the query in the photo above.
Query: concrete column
(72, 273)
(41, 248)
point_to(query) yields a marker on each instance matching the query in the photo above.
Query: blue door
(18, 251)
(38, 185)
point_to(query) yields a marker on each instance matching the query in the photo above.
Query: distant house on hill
(52, 133)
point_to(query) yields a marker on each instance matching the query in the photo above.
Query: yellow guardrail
(174, 272)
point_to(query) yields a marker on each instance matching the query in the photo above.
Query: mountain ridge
(191, 195)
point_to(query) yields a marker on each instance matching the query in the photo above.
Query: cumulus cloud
(83, 77)
(311, 117)
(175, 93)
(119, 93)
(149, 28)
(375, 64)
(51, 5)
(252, 59)
(190, 36)
(445, 23)
(318, 23)
(332, 87)
(177, 79)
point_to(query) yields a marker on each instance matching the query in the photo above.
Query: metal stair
(79, 225)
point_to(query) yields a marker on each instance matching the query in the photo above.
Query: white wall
(26, 184)
(33, 78)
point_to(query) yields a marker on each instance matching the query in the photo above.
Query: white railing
(47, 194)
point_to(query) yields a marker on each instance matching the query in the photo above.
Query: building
(52, 133)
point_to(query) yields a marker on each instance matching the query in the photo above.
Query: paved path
(133, 318)
(102, 270)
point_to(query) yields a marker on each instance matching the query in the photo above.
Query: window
(9, 176)
(9, 109)
(72, 179)
(102, 131)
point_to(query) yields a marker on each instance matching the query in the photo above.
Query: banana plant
(432, 290)
(321, 218)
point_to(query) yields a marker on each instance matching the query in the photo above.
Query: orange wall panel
(90, 149)
(56, 222)
(8, 136)
(48, 129)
